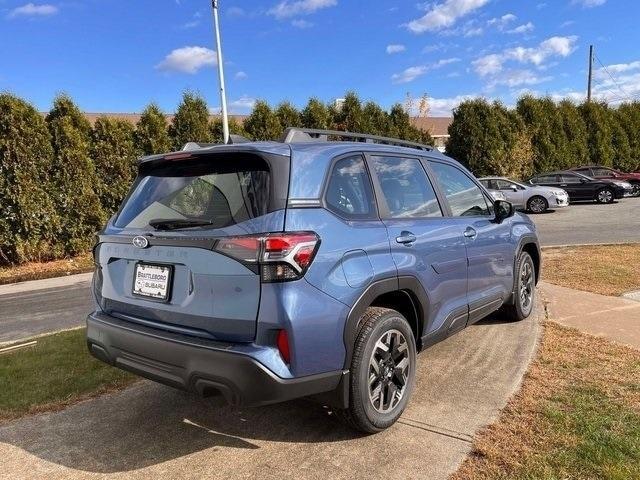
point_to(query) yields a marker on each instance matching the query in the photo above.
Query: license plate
(152, 281)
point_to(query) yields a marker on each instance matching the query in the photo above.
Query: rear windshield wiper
(177, 223)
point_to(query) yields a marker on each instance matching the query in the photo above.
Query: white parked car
(536, 199)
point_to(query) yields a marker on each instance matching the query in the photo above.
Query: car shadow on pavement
(149, 423)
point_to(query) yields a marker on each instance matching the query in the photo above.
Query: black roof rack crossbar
(298, 135)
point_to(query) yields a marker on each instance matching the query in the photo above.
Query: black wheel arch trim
(407, 284)
(526, 239)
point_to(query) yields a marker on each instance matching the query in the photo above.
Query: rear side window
(406, 188)
(601, 172)
(349, 192)
(218, 193)
(464, 196)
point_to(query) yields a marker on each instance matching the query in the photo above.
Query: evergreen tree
(629, 118)
(599, 133)
(113, 153)
(263, 124)
(191, 122)
(152, 134)
(288, 115)
(622, 159)
(28, 223)
(74, 176)
(399, 122)
(235, 128)
(316, 115)
(575, 132)
(545, 125)
(348, 117)
(374, 120)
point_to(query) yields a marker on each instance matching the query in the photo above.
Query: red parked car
(596, 171)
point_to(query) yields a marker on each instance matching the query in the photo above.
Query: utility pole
(223, 96)
(590, 73)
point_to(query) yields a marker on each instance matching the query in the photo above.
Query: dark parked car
(580, 187)
(598, 172)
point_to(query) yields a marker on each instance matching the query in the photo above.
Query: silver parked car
(536, 199)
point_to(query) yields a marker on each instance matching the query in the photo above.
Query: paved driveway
(590, 223)
(152, 431)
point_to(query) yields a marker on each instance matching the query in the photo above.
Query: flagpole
(223, 96)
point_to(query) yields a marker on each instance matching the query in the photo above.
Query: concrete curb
(611, 244)
(55, 282)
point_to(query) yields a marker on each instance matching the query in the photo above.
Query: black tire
(537, 204)
(605, 195)
(375, 325)
(525, 279)
(636, 190)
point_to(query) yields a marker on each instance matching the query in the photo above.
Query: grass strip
(56, 372)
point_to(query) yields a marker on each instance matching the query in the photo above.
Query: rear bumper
(198, 365)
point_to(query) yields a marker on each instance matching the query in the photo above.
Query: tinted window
(544, 179)
(490, 184)
(567, 178)
(464, 196)
(406, 187)
(199, 191)
(349, 192)
(602, 172)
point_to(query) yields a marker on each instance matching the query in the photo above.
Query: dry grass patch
(39, 270)
(576, 416)
(603, 269)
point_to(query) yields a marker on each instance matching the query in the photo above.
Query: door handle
(406, 237)
(470, 233)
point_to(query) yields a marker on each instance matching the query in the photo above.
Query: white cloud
(33, 10)
(188, 60)
(619, 82)
(443, 107)
(517, 78)
(244, 104)
(551, 47)
(301, 23)
(288, 8)
(524, 28)
(501, 22)
(395, 48)
(443, 15)
(241, 76)
(411, 73)
(589, 3)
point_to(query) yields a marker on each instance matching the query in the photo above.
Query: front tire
(525, 289)
(537, 204)
(383, 371)
(605, 195)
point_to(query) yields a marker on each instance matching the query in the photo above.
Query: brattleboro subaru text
(317, 266)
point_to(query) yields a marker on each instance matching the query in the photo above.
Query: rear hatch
(165, 260)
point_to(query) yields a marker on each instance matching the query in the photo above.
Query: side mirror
(503, 210)
(514, 188)
(583, 180)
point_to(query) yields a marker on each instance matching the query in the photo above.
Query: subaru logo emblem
(140, 242)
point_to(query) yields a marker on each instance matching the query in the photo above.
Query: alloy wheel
(537, 205)
(526, 285)
(605, 196)
(389, 368)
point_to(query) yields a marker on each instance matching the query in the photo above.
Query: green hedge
(551, 136)
(61, 178)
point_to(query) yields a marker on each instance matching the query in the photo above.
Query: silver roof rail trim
(299, 135)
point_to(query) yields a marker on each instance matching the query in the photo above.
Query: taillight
(279, 256)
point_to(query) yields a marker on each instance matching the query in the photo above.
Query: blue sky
(117, 56)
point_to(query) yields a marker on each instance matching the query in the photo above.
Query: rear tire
(383, 371)
(605, 195)
(537, 204)
(525, 289)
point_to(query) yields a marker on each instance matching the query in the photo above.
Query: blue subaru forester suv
(317, 266)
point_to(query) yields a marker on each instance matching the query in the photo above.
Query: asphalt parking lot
(153, 431)
(588, 223)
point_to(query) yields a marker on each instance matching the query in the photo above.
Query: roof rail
(233, 139)
(298, 135)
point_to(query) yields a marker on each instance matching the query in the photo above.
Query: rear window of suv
(220, 193)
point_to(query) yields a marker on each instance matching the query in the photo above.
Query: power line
(626, 95)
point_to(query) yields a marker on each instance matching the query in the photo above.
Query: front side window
(349, 192)
(570, 178)
(406, 187)
(464, 196)
(505, 185)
